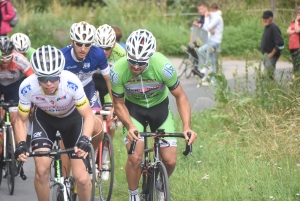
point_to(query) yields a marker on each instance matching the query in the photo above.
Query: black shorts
(45, 127)
(100, 86)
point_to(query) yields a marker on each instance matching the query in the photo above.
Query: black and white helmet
(83, 32)
(105, 36)
(47, 61)
(21, 42)
(6, 45)
(141, 44)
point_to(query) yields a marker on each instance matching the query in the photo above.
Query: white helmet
(21, 42)
(47, 61)
(141, 44)
(71, 30)
(83, 32)
(105, 36)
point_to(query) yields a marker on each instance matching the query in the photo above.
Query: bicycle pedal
(23, 177)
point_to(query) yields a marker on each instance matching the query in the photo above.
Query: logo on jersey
(69, 67)
(93, 99)
(61, 98)
(86, 65)
(168, 70)
(25, 90)
(71, 85)
(37, 134)
(39, 98)
(113, 76)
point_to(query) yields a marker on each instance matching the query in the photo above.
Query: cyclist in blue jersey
(84, 59)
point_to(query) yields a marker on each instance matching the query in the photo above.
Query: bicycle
(153, 172)
(105, 186)
(63, 189)
(7, 159)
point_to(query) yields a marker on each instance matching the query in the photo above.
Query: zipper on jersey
(144, 91)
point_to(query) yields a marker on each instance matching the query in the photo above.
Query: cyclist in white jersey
(60, 105)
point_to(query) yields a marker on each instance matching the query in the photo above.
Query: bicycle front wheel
(10, 161)
(57, 193)
(105, 178)
(159, 188)
(92, 161)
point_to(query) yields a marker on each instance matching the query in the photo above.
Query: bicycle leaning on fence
(155, 173)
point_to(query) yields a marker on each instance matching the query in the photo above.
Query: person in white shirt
(214, 25)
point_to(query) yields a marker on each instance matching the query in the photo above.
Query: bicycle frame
(7, 125)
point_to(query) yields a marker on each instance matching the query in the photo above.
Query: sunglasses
(45, 79)
(139, 63)
(81, 44)
(106, 48)
(8, 57)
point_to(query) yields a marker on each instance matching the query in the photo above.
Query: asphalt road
(199, 98)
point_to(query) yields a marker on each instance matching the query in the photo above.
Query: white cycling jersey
(69, 94)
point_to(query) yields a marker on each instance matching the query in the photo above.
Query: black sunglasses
(135, 62)
(106, 48)
(45, 79)
(81, 44)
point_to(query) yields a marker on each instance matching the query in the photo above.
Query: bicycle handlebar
(45, 153)
(188, 148)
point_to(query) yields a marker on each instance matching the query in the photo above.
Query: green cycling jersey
(117, 53)
(149, 88)
(29, 53)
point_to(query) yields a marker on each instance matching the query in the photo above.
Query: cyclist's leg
(91, 94)
(42, 140)
(164, 120)
(70, 134)
(12, 93)
(133, 171)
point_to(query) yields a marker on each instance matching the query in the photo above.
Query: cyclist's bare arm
(21, 126)
(184, 110)
(124, 116)
(88, 119)
(107, 80)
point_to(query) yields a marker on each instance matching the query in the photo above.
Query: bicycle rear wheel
(10, 161)
(105, 179)
(182, 67)
(159, 188)
(57, 194)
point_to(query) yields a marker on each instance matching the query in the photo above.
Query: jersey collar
(74, 57)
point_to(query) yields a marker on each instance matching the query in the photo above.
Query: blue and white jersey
(95, 61)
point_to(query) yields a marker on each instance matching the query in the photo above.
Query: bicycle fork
(59, 179)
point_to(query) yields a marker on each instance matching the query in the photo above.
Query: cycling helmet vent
(83, 32)
(6, 45)
(105, 36)
(21, 42)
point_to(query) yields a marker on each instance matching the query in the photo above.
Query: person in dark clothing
(271, 44)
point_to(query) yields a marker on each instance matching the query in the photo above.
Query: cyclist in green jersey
(22, 44)
(106, 40)
(140, 86)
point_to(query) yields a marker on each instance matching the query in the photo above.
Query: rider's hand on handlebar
(131, 136)
(21, 152)
(193, 137)
(82, 148)
(111, 116)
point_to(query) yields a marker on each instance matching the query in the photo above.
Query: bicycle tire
(188, 71)
(159, 173)
(10, 163)
(92, 160)
(1, 168)
(73, 195)
(106, 186)
(57, 193)
(182, 66)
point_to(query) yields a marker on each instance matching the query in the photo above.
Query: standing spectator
(202, 9)
(293, 32)
(7, 14)
(271, 43)
(214, 25)
(119, 35)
